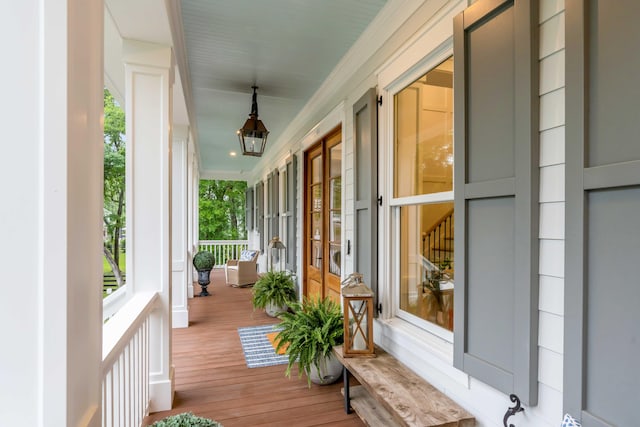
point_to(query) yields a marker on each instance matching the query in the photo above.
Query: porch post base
(161, 393)
(180, 318)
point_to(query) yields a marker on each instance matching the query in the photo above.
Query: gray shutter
(496, 195)
(267, 217)
(275, 206)
(292, 174)
(260, 212)
(602, 296)
(248, 216)
(365, 155)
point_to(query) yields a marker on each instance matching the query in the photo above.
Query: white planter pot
(272, 309)
(328, 371)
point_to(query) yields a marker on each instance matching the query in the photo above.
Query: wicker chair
(242, 271)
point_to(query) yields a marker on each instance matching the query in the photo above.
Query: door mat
(272, 337)
(258, 350)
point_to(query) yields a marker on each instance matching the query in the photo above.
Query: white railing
(223, 250)
(125, 362)
(114, 302)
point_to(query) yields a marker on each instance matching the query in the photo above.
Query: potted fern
(274, 291)
(186, 419)
(309, 333)
(203, 261)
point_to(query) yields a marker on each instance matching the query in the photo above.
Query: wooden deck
(213, 381)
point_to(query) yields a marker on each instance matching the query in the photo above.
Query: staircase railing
(437, 242)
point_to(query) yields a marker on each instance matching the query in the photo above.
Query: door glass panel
(335, 156)
(335, 208)
(316, 170)
(316, 198)
(316, 226)
(335, 187)
(426, 262)
(316, 219)
(316, 254)
(423, 157)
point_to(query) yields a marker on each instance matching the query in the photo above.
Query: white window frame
(399, 72)
(395, 203)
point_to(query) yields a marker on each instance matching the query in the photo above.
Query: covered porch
(371, 142)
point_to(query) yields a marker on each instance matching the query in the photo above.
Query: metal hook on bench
(512, 410)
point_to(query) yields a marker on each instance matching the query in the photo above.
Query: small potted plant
(274, 291)
(309, 333)
(203, 261)
(186, 419)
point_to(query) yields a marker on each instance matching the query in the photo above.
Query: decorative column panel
(149, 80)
(51, 167)
(192, 223)
(180, 265)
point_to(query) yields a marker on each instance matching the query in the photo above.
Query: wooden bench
(391, 394)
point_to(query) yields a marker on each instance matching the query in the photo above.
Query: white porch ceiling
(287, 48)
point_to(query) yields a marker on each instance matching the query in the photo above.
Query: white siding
(551, 295)
(552, 197)
(552, 146)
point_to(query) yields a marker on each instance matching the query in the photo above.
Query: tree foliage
(114, 181)
(222, 210)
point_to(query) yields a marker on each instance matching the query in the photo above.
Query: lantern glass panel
(359, 330)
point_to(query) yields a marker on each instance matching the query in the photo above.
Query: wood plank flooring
(213, 381)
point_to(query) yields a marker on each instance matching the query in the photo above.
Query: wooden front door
(322, 214)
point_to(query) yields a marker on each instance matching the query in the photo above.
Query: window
(289, 211)
(423, 198)
(272, 216)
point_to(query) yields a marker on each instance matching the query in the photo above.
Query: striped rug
(257, 348)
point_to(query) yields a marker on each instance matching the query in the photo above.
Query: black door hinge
(379, 309)
(379, 200)
(380, 100)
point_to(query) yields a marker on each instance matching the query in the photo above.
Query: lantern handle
(352, 280)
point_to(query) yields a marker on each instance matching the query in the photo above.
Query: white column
(51, 213)
(180, 265)
(192, 225)
(149, 80)
(190, 155)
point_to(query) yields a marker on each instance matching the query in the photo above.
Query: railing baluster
(125, 381)
(223, 250)
(439, 241)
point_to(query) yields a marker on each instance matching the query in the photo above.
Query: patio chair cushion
(569, 421)
(247, 255)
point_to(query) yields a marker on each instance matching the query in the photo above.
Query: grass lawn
(106, 269)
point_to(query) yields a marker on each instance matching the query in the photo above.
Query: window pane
(426, 262)
(424, 134)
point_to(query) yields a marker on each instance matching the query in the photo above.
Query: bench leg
(347, 399)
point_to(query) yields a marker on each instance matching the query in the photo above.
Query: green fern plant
(275, 287)
(309, 333)
(186, 419)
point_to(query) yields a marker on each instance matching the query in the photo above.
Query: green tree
(222, 210)
(114, 182)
